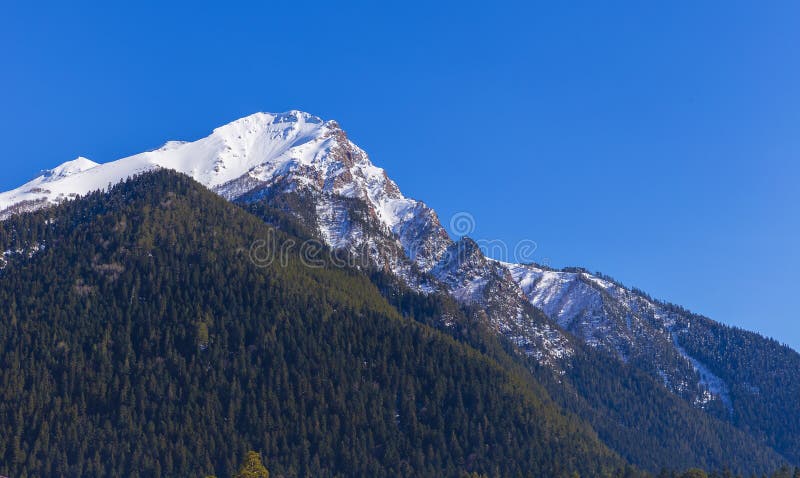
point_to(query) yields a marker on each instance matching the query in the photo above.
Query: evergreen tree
(252, 467)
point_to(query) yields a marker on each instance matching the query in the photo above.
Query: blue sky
(654, 141)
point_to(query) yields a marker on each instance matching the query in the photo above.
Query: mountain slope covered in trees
(632, 413)
(139, 339)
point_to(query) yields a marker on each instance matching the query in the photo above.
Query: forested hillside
(633, 414)
(764, 378)
(138, 339)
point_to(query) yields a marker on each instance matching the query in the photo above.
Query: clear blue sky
(657, 142)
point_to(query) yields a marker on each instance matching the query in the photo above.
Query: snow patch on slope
(606, 314)
(26, 253)
(715, 386)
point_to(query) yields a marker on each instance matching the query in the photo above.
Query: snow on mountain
(622, 321)
(260, 145)
(472, 278)
(69, 168)
(48, 187)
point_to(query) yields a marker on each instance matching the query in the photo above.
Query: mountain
(598, 347)
(310, 167)
(148, 343)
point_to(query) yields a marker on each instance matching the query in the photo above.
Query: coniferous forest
(146, 343)
(138, 338)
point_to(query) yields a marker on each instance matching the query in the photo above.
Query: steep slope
(608, 316)
(148, 343)
(759, 375)
(472, 279)
(735, 375)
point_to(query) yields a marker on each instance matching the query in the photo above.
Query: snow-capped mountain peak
(267, 153)
(260, 146)
(69, 168)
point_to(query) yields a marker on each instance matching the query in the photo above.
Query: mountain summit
(260, 146)
(289, 151)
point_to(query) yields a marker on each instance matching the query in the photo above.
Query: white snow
(608, 315)
(714, 385)
(262, 145)
(560, 295)
(28, 252)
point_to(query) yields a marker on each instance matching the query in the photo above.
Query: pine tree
(202, 335)
(252, 467)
